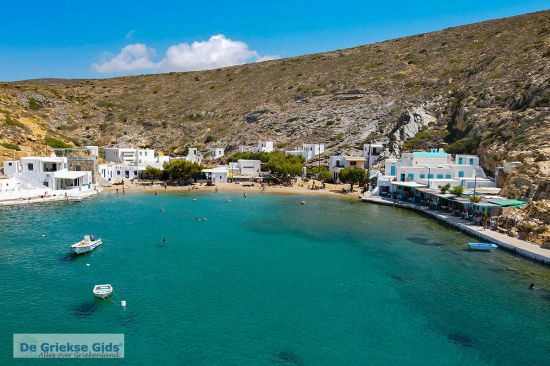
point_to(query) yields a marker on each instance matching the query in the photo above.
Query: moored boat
(87, 244)
(482, 246)
(103, 291)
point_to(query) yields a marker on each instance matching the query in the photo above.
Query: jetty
(514, 245)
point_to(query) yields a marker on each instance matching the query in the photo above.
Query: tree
(444, 188)
(457, 191)
(353, 175)
(182, 170)
(152, 173)
(324, 175)
(284, 166)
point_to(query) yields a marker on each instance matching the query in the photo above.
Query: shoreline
(52, 198)
(514, 245)
(331, 190)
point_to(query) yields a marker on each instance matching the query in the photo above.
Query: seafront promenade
(514, 245)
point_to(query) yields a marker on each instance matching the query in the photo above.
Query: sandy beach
(301, 188)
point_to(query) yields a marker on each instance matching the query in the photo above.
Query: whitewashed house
(9, 185)
(435, 168)
(264, 146)
(308, 151)
(216, 153)
(116, 172)
(193, 155)
(129, 163)
(35, 175)
(339, 162)
(130, 156)
(372, 151)
(217, 175)
(244, 169)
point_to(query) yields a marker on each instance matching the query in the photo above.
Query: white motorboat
(87, 244)
(103, 291)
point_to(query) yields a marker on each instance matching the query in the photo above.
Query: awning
(508, 203)
(66, 174)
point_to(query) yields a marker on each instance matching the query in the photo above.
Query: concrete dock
(514, 245)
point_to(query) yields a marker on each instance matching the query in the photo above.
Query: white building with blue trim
(434, 168)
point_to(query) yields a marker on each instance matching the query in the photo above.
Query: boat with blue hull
(482, 246)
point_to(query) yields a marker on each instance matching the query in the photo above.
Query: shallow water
(265, 281)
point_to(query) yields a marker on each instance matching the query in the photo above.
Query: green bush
(475, 199)
(10, 146)
(55, 143)
(457, 191)
(466, 145)
(34, 105)
(425, 139)
(444, 188)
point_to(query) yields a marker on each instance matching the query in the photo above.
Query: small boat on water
(87, 244)
(482, 246)
(103, 291)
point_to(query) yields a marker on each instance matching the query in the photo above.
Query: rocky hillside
(481, 88)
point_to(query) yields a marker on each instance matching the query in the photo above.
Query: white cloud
(133, 57)
(217, 51)
(130, 34)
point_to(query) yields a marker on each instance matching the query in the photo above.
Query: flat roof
(66, 174)
(52, 159)
(408, 184)
(429, 153)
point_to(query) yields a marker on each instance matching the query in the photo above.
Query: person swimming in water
(532, 286)
(244, 194)
(164, 240)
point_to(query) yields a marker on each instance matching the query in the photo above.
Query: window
(460, 161)
(10, 164)
(422, 176)
(430, 176)
(411, 176)
(447, 176)
(461, 174)
(440, 176)
(352, 163)
(30, 167)
(392, 170)
(471, 161)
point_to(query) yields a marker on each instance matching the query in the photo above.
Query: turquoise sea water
(265, 281)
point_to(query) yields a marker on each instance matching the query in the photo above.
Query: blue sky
(79, 39)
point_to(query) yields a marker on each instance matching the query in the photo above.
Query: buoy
(87, 264)
(43, 235)
(123, 303)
